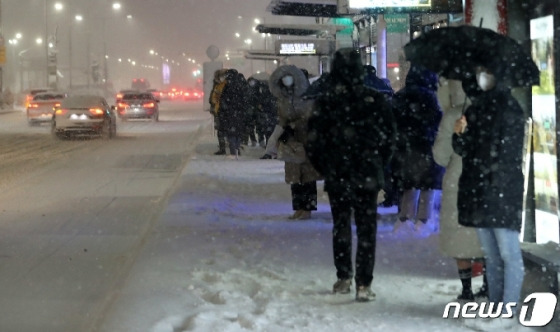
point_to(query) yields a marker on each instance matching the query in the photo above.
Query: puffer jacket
(293, 114)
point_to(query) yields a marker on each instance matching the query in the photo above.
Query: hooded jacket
(352, 130)
(293, 114)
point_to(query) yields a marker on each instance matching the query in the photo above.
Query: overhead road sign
(353, 7)
(312, 8)
(299, 29)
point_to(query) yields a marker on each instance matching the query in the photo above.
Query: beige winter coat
(454, 240)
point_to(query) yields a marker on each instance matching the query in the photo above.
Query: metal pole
(105, 69)
(70, 56)
(2, 36)
(46, 41)
(88, 65)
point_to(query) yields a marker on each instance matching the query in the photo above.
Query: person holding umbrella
(456, 241)
(489, 138)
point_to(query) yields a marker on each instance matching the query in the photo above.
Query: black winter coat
(233, 103)
(352, 131)
(418, 114)
(491, 184)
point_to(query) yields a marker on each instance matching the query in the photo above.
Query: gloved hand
(288, 132)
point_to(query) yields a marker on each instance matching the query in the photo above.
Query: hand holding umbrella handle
(460, 125)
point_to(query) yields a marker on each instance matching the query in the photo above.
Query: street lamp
(77, 18)
(50, 51)
(249, 42)
(116, 7)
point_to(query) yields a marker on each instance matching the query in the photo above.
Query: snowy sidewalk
(7, 109)
(224, 257)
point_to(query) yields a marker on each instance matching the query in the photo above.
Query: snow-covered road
(74, 213)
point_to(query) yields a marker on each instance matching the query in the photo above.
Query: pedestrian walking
(418, 114)
(456, 241)
(351, 139)
(489, 139)
(288, 83)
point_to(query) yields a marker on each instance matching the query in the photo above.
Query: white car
(84, 114)
(40, 109)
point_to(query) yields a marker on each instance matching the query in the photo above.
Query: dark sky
(170, 27)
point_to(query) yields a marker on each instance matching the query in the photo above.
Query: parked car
(41, 107)
(84, 114)
(138, 105)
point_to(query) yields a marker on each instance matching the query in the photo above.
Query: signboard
(397, 23)
(304, 47)
(544, 132)
(165, 73)
(352, 7)
(389, 3)
(297, 48)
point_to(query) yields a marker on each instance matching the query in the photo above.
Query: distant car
(192, 94)
(120, 94)
(155, 92)
(31, 93)
(138, 105)
(140, 84)
(41, 107)
(84, 114)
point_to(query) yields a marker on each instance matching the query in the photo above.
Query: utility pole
(2, 52)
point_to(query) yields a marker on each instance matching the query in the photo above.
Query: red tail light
(122, 105)
(96, 111)
(149, 105)
(57, 105)
(61, 111)
(33, 105)
(119, 96)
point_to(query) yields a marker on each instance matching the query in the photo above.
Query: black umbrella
(454, 52)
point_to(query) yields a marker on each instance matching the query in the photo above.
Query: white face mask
(288, 80)
(486, 81)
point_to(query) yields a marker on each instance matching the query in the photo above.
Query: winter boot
(304, 215)
(342, 286)
(296, 215)
(364, 294)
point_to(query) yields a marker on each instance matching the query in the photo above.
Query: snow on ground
(226, 258)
